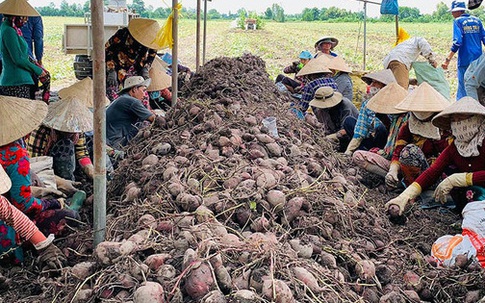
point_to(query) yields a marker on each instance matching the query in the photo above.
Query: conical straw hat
(466, 105)
(424, 99)
(5, 182)
(332, 39)
(387, 98)
(144, 31)
(82, 90)
(69, 115)
(384, 76)
(17, 8)
(336, 63)
(19, 117)
(160, 79)
(315, 66)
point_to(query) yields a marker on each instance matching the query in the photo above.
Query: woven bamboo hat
(423, 99)
(326, 97)
(336, 63)
(5, 182)
(19, 117)
(315, 66)
(466, 106)
(387, 98)
(159, 78)
(384, 76)
(144, 31)
(327, 39)
(18, 8)
(82, 90)
(69, 115)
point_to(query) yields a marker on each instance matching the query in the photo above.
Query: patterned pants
(413, 163)
(21, 91)
(63, 154)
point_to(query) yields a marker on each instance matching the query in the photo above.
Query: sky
(290, 6)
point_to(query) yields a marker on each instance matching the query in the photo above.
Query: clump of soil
(208, 206)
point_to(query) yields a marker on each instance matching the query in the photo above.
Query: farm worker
(294, 85)
(475, 80)
(376, 160)
(158, 90)
(126, 111)
(16, 79)
(468, 36)
(402, 56)
(130, 52)
(61, 136)
(341, 76)
(367, 130)
(418, 142)
(314, 74)
(33, 33)
(325, 45)
(16, 226)
(466, 120)
(184, 72)
(19, 117)
(331, 109)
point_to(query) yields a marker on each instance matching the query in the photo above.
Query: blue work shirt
(33, 32)
(475, 77)
(468, 36)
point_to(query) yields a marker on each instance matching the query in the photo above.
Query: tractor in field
(77, 39)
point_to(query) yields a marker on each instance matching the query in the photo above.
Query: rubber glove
(353, 145)
(332, 137)
(89, 170)
(392, 178)
(402, 200)
(455, 180)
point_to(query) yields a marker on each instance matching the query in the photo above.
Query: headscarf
(469, 134)
(424, 129)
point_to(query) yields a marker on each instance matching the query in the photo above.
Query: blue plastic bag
(389, 7)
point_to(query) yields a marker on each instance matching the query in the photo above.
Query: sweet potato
(223, 277)
(277, 199)
(260, 224)
(106, 252)
(365, 269)
(155, 261)
(277, 291)
(292, 208)
(307, 278)
(188, 202)
(150, 160)
(140, 271)
(199, 281)
(83, 296)
(147, 221)
(150, 292)
(203, 214)
(166, 272)
(161, 149)
(83, 270)
(304, 250)
(170, 172)
(413, 281)
(131, 194)
(214, 296)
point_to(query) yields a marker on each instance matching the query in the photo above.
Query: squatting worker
(123, 114)
(468, 36)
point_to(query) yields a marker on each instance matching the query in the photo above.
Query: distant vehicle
(77, 38)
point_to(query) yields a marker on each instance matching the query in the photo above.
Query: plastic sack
(389, 7)
(447, 248)
(164, 36)
(434, 76)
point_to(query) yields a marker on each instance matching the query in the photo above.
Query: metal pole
(175, 52)
(205, 32)
(99, 95)
(365, 33)
(397, 28)
(197, 39)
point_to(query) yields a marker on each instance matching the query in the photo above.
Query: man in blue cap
(468, 36)
(294, 85)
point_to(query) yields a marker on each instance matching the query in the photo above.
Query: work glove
(41, 192)
(353, 145)
(332, 137)
(51, 257)
(67, 186)
(88, 170)
(455, 180)
(402, 200)
(111, 78)
(35, 180)
(392, 179)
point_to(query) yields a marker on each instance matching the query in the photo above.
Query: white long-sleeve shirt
(408, 51)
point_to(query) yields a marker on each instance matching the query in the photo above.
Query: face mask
(423, 115)
(374, 90)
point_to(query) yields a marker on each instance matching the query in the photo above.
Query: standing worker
(468, 36)
(33, 33)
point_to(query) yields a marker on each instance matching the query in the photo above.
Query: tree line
(275, 13)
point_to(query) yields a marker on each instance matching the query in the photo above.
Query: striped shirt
(13, 217)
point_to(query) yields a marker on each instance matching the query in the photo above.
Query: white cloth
(423, 129)
(469, 134)
(42, 167)
(408, 51)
